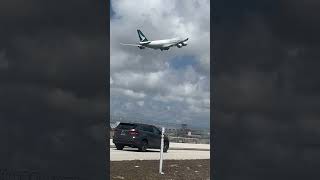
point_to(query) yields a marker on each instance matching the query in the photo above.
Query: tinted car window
(156, 130)
(126, 126)
(148, 129)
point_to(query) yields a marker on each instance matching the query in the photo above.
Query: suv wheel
(144, 146)
(119, 146)
(166, 146)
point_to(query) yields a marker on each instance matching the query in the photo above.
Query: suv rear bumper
(126, 142)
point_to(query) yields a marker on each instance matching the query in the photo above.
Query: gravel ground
(149, 170)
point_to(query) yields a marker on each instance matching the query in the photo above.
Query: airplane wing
(185, 40)
(144, 43)
(169, 45)
(175, 43)
(182, 41)
(137, 45)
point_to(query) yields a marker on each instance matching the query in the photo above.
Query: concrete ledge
(181, 146)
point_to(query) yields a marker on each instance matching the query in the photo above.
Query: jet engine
(184, 44)
(166, 48)
(179, 45)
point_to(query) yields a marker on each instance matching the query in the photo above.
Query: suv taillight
(133, 132)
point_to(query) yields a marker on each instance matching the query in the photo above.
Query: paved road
(154, 154)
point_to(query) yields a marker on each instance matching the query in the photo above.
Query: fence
(189, 140)
(28, 175)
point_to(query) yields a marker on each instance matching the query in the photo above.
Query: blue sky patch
(181, 62)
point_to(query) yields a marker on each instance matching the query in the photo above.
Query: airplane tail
(142, 37)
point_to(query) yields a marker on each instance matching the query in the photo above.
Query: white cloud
(140, 103)
(146, 77)
(128, 92)
(111, 81)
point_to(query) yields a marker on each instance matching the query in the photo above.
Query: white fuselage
(165, 43)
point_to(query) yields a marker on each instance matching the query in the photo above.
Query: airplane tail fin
(142, 37)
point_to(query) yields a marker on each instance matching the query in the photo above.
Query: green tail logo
(142, 37)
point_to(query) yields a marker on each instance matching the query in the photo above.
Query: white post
(161, 151)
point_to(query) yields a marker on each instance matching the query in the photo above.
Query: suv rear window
(126, 126)
(156, 130)
(147, 128)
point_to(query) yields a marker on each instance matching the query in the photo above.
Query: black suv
(141, 136)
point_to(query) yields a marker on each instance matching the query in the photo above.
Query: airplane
(164, 44)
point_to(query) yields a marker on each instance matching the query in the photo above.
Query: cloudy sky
(169, 86)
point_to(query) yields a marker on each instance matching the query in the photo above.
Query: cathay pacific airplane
(164, 44)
